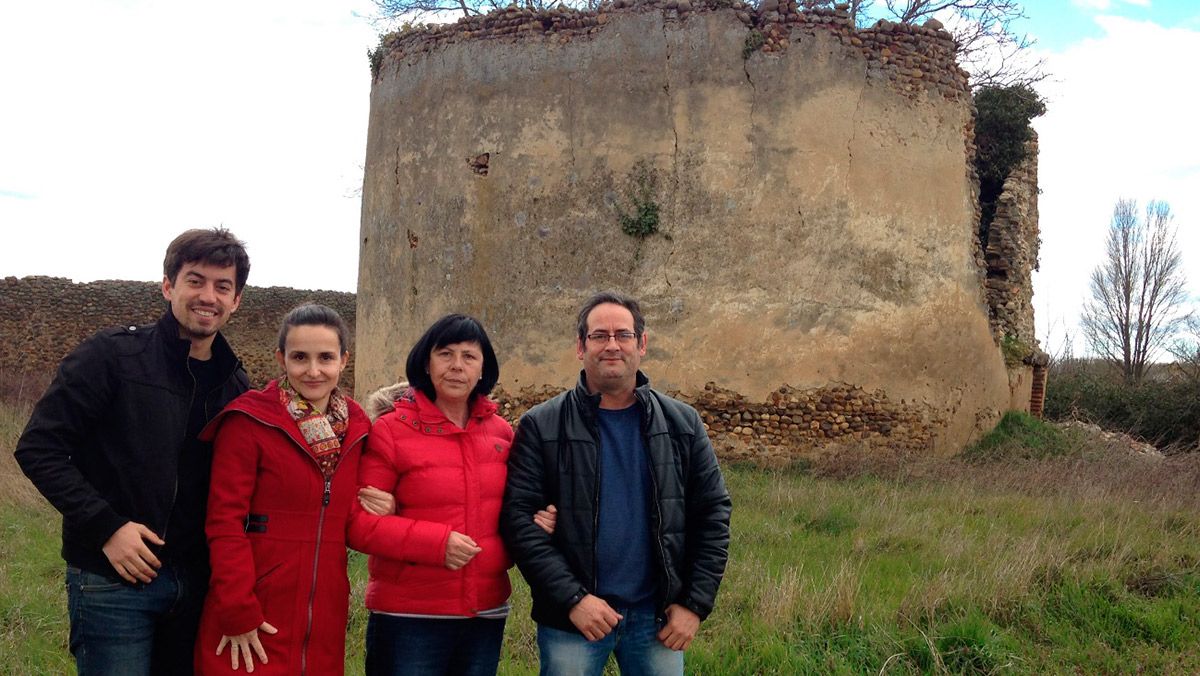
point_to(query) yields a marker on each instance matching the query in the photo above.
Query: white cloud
(1120, 124)
(128, 122)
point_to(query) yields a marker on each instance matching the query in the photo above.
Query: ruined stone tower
(791, 199)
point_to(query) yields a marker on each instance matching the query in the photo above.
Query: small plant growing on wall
(754, 41)
(641, 220)
(1015, 350)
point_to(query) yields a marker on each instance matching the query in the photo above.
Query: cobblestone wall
(43, 318)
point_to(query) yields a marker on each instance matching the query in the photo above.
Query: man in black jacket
(112, 445)
(642, 538)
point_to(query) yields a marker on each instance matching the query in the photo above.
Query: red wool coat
(276, 535)
(444, 478)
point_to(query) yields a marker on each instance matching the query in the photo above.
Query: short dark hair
(216, 246)
(616, 298)
(453, 328)
(314, 314)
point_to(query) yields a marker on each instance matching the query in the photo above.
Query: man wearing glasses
(643, 514)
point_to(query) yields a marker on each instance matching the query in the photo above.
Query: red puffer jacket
(444, 478)
(276, 533)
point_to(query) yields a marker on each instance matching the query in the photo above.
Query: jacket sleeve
(58, 430)
(236, 456)
(707, 522)
(543, 565)
(393, 537)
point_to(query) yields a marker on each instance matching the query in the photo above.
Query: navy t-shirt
(625, 570)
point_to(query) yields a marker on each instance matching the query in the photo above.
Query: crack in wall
(675, 137)
(670, 105)
(854, 131)
(753, 87)
(570, 117)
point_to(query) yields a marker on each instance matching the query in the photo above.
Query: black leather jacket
(103, 442)
(554, 460)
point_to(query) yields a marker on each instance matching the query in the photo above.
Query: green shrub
(1163, 413)
(1002, 130)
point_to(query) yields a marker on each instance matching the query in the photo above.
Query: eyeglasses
(602, 338)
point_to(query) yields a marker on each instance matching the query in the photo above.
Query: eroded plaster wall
(817, 218)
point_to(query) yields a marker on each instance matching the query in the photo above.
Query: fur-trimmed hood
(384, 399)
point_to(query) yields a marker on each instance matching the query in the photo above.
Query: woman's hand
(377, 502)
(243, 643)
(547, 518)
(460, 549)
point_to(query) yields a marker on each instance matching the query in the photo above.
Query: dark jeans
(634, 641)
(120, 628)
(400, 646)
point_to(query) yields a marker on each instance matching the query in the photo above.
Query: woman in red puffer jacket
(438, 590)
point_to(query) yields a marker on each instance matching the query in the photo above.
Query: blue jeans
(399, 646)
(121, 628)
(634, 641)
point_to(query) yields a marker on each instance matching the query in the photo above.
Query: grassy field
(1035, 553)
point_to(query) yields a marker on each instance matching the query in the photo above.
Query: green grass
(1020, 435)
(1054, 559)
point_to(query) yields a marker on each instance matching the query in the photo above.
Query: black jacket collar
(179, 348)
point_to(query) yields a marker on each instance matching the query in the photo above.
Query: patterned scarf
(323, 432)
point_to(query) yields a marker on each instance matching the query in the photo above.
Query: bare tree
(1139, 291)
(1187, 350)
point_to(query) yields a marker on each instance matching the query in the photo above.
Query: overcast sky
(125, 122)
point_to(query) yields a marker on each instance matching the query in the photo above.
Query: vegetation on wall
(640, 219)
(754, 41)
(1015, 350)
(1002, 133)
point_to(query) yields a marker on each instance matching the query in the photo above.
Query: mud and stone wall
(44, 318)
(808, 190)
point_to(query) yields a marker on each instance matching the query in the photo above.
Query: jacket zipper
(325, 496)
(312, 589)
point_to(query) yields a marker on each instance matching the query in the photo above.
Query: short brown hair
(216, 247)
(616, 298)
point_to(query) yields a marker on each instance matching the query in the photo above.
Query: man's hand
(547, 518)
(682, 625)
(243, 643)
(594, 617)
(460, 549)
(377, 502)
(129, 555)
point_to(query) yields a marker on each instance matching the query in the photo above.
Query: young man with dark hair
(642, 538)
(112, 445)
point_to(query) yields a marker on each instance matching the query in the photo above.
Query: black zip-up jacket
(554, 460)
(103, 442)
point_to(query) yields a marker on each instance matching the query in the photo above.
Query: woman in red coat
(285, 463)
(438, 589)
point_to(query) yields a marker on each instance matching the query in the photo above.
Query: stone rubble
(915, 59)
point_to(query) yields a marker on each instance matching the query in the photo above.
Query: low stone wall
(790, 424)
(44, 318)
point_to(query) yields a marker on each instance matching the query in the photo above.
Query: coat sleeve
(58, 430)
(543, 565)
(393, 537)
(236, 456)
(707, 523)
